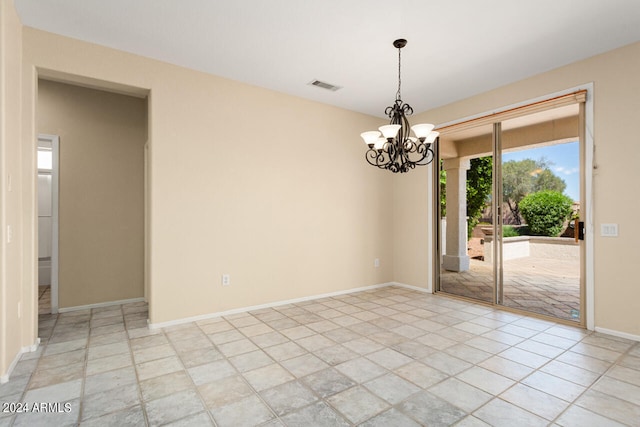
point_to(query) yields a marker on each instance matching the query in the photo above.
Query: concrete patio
(543, 286)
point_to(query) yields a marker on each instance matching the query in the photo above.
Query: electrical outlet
(226, 280)
(376, 262)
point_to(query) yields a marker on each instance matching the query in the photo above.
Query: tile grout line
(143, 408)
(195, 386)
(256, 392)
(600, 376)
(295, 379)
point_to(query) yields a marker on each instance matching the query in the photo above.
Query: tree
(523, 177)
(547, 180)
(478, 190)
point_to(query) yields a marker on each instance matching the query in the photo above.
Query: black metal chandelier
(396, 150)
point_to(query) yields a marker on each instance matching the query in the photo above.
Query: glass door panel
(465, 214)
(540, 185)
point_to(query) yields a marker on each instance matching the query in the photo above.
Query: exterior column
(456, 257)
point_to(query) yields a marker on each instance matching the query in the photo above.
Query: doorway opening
(100, 255)
(512, 206)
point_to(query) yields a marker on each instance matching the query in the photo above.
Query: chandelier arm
(429, 156)
(426, 154)
(392, 149)
(371, 155)
(377, 158)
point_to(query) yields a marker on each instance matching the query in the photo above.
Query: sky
(564, 160)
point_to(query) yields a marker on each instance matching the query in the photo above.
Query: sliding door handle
(578, 230)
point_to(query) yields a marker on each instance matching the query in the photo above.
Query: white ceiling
(456, 48)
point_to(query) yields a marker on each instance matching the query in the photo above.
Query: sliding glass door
(510, 203)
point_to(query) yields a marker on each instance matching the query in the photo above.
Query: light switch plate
(609, 230)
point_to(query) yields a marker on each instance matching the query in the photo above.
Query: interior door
(47, 163)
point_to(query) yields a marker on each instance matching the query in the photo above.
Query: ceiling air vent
(324, 85)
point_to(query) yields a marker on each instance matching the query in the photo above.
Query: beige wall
(288, 212)
(102, 137)
(617, 155)
(16, 328)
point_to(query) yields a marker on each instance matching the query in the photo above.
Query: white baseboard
(100, 304)
(618, 334)
(413, 288)
(28, 349)
(318, 296)
(268, 305)
(33, 347)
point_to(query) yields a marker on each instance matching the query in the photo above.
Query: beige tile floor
(386, 357)
(44, 299)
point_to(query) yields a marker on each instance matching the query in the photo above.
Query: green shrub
(545, 212)
(509, 231)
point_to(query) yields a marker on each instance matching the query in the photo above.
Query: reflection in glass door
(510, 198)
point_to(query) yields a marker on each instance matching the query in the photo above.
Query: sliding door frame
(496, 209)
(585, 136)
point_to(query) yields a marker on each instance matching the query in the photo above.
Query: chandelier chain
(398, 96)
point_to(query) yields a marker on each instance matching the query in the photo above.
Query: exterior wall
(553, 248)
(512, 248)
(287, 212)
(616, 108)
(557, 248)
(102, 137)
